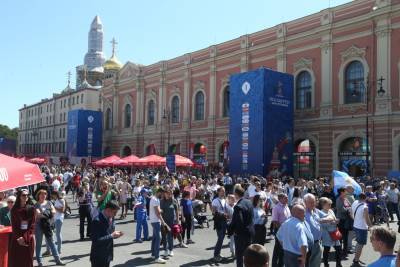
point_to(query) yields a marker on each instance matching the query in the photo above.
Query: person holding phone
(103, 235)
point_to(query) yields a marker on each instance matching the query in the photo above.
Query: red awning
(181, 161)
(152, 160)
(37, 160)
(108, 161)
(17, 173)
(132, 160)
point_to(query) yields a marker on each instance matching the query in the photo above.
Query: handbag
(335, 235)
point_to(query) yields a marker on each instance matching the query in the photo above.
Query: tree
(6, 132)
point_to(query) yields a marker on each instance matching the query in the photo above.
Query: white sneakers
(168, 253)
(160, 261)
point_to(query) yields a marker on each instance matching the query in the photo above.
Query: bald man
(296, 238)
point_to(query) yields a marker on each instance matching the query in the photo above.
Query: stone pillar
(326, 78)
(212, 104)
(382, 31)
(115, 110)
(244, 59)
(187, 83)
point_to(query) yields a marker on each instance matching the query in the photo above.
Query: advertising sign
(261, 124)
(84, 137)
(170, 161)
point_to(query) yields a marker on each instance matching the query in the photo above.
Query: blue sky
(41, 40)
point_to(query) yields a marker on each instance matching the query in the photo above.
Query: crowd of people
(307, 218)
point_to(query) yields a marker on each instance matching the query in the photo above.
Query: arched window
(353, 83)
(175, 109)
(199, 106)
(126, 151)
(108, 119)
(225, 112)
(303, 90)
(127, 116)
(150, 113)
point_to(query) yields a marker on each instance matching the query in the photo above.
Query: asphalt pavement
(75, 253)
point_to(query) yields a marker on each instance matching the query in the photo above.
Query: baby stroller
(200, 218)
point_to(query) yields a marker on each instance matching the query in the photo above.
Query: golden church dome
(112, 64)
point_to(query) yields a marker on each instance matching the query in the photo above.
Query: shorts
(361, 236)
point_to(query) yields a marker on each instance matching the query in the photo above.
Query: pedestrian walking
(103, 235)
(312, 217)
(361, 223)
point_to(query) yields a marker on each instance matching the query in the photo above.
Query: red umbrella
(132, 159)
(108, 161)
(152, 160)
(181, 161)
(16, 173)
(120, 162)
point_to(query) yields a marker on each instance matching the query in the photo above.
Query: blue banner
(261, 124)
(84, 133)
(170, 162)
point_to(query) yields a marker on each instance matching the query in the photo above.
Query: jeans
(169, 239)
(50, 242)
(393, 208)
(58, 224)
(277, 255)
(290, 259)
(241, 243)
(337, 256)
(141, 222)
(155, 241)
(187, 226)
(84, 214)
(220, 240)
(314, 256)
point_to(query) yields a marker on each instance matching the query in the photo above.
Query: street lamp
(167, 117)
(381, 92)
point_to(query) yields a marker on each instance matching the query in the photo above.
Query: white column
(383, 60)
(326, 77)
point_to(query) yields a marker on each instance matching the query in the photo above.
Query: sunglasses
(10, 201)
(24, 195)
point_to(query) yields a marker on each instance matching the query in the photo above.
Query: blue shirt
(142, 200)
(385, 261)
(292, 235)
(186, 205)
(313, 221)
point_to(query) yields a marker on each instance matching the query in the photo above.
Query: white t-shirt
(359, 220)
(262, 194)
(56, 185)
(154, 202)
(59, 203)
(219, 204)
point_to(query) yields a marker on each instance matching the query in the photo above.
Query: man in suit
(242, 224)
(103, 233)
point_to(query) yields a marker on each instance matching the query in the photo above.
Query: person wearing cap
(141, 216)
(5, 215)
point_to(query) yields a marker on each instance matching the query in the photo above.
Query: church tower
(94, 58)
(92, 67)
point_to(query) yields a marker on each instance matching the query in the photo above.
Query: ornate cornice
(353, 52)
(302, 63)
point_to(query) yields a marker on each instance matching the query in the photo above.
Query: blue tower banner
(261, 124)
(84, 137)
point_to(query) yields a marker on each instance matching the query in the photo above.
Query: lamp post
(167, 117)
(381, 92)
